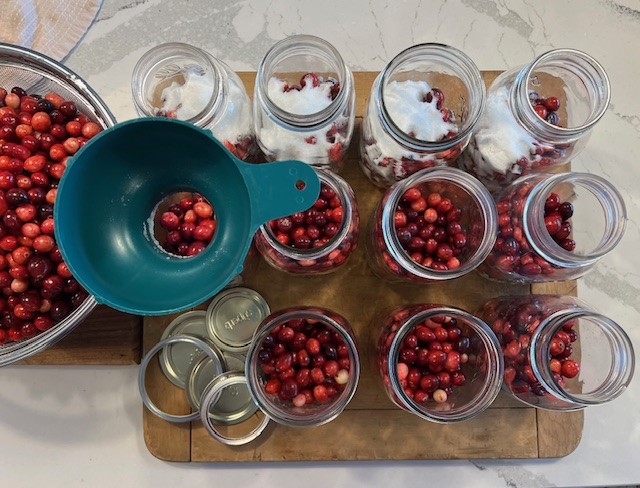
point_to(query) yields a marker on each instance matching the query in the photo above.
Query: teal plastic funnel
(108, 193)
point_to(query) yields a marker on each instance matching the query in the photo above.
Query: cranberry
(301, 353)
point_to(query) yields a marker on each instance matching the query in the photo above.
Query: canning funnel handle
(279, 189)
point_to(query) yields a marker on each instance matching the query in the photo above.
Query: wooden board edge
(553, 426)
(156, 445)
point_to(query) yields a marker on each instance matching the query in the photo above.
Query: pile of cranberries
(556, 219)
(427, 226)
(37, 136)
(514, 324)
(312, 231)
(430, 357)
(512, 252)
(304, 362)
(546, 108)
(190, 225)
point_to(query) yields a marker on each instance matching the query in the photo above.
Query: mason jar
(422, 109)
(304, 103)
(559, 354)
(303, 366)
(554, 227)
(537, 117)
(184, 82)
(436, 225)
(438, 362)
(318, 240)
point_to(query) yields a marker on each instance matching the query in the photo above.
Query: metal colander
(39, 74)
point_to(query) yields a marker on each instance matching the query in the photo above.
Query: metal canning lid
(233, 316)
(233, 361)
(177, 360)
(234, 403)
(204, 371)
(210, 399)
(144, 364)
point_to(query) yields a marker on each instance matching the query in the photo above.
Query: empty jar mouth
(484, 380)
(479, 217)
(292, 58)
(605, 357)
(566, 74)
(439, 66)
(598, 222)
(187, 70)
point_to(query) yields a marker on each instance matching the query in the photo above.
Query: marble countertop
(82, 426)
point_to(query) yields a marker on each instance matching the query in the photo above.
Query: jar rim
(330, 410)
(334, 182)
(469, 74)
(597, 79)
(325, 50)
(542, 242)
(493, 380)
(461, 179)
(156, 56)
(621, 352)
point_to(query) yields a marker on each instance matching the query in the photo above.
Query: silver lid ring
(212, 397)
(144, 364)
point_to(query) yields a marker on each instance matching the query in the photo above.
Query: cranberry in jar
(420, 114)
(186, 83)
(554, 227)
(303, 366)
(558, 353)
(318, 240)
(304, 103)
(537, 117)
(438, 362)
(436, 225)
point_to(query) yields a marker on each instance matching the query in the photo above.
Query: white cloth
(51, 27)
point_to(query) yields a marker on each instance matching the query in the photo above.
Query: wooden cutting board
(371, 428)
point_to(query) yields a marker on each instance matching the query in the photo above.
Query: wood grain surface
(371, 428)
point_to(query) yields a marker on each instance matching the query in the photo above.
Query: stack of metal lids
(204, 353)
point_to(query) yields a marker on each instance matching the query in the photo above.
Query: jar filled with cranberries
(559, 354)
(554, 227)
(438, 224)
(537, 117)
(186, 83)
(438, 362)
(421, 111)
(304, 103)
(303, 366)
(318, 240)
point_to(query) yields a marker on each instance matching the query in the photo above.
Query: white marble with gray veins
(82, 426)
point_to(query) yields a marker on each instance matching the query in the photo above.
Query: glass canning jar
(182, 81)
(438, 224)
(303, 366)
(421, 111)
(554, 227)
(537, 116)
(438, 362)
(558, 353)
(304, 103)
(318, 240)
